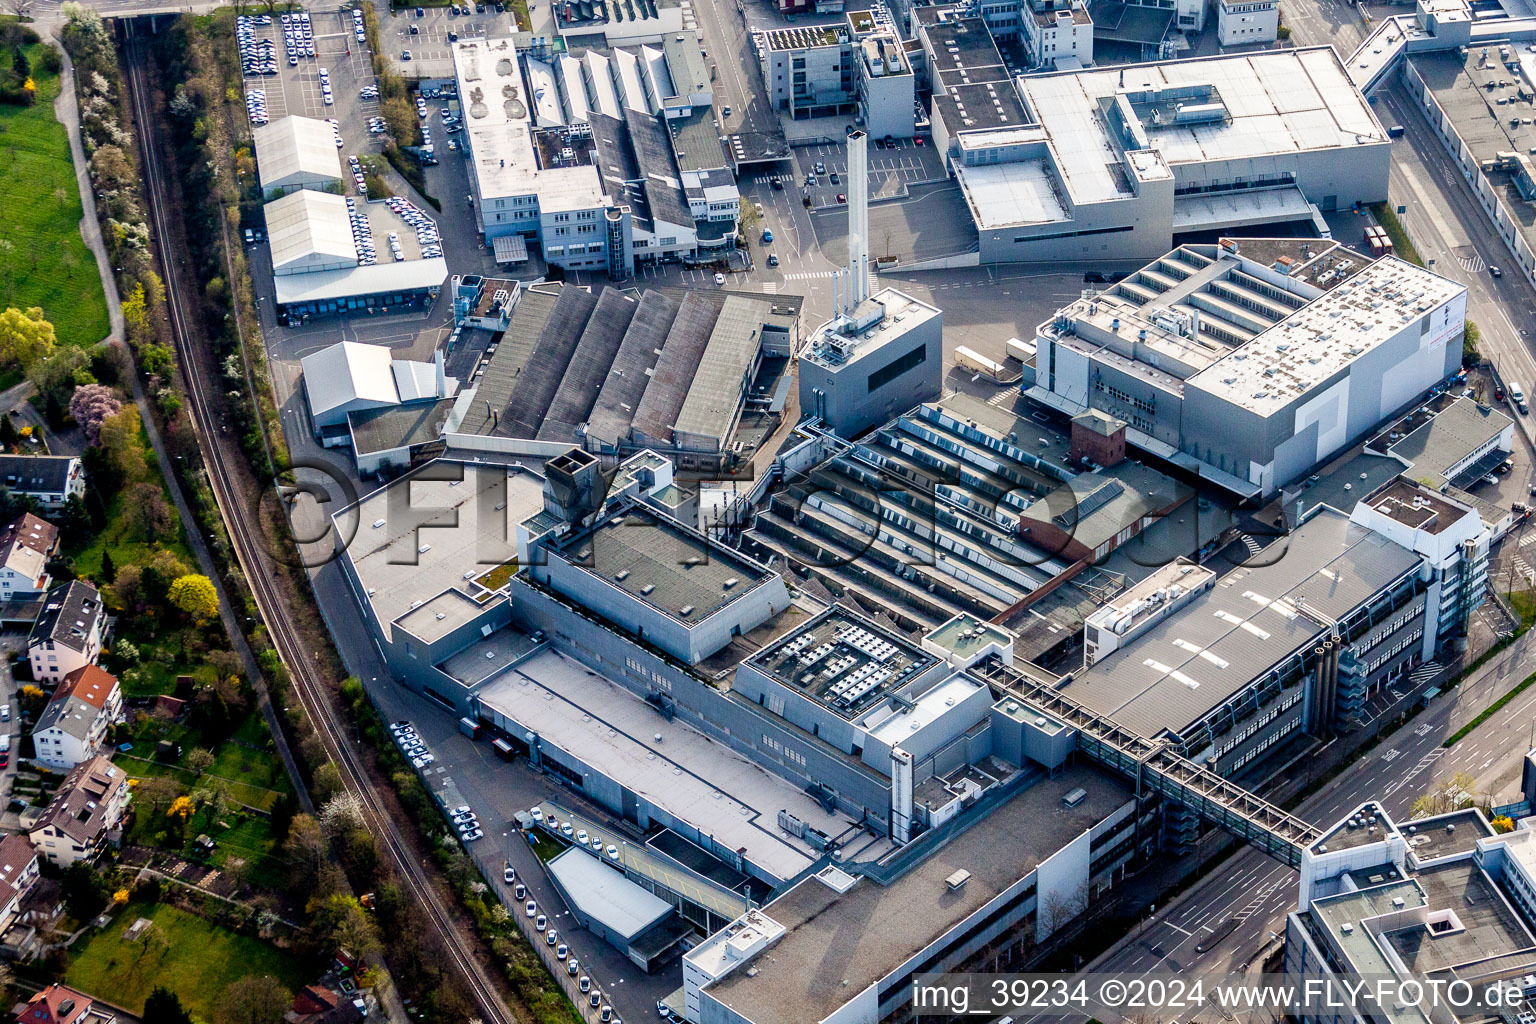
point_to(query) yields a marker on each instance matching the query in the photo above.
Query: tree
(112, 171)
(120, 440)
(195, 595)
(255, 999)
(108, 567)
(199, 759)
(1452, 794)
(305, 851)
(133, 306)
(340, 922)
(25, 337)
(163, 1006)
(148, 511)
(85, 891)
(152, 945)
(91, 406)
(327, 781)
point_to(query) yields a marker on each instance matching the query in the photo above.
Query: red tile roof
(90, 684)
(56, 1004)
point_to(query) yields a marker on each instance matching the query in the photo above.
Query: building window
(898, 366)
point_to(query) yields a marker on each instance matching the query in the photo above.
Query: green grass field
(47, 263)
(202, 960)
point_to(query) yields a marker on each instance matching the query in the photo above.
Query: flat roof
(1277, 102)
(379, 279)
(965, 634)
(689, 73)
(652, 559)
(1482, 115)
(1186, 665)
(1320, 339)
(688, 775)
(696, 141)
(963, 53)
(497, 123)
(869, 660)
(902, 315)
(604, 895)
(457, 523)
(1417, 507)
(1016, 193)
(805, 37)
(1094, 508)
(383, 430)
(1435, 448)
(837, 945)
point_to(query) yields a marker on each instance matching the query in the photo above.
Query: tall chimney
(442, 374)
(858, 219)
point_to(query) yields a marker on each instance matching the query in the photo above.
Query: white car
(471, 836)
(530, 908)
(5, 712)
(423, 761)
(509, 874)
(719, 279)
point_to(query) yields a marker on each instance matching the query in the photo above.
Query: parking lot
(427, 36)
(296, 89)
(891, 169)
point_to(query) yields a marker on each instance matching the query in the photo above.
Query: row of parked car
(412, 745)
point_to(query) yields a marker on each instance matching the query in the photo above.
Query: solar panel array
(536, 385)
(595, 353)
(631, 369)
(679, 362)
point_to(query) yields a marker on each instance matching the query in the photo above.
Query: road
(1449, 227)
(253, 559)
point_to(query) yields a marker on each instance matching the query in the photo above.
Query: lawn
(45, 262)
(201, 961)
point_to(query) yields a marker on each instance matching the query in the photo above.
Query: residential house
(74, 725)
(321, 1004)
(18, 873)
(85, 814)
(51, 479)
(69, 632)
(26, 545)
(56, 1004)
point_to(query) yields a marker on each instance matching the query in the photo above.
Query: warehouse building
(1114, 163)
(1252, 361)
(350, 377)
(296, 152)
(315, 266)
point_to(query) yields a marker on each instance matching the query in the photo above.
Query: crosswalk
(810, 275)
(1424, 673)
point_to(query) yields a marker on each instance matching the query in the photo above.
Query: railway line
(218, 456)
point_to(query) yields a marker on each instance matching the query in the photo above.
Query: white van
(1517, 395)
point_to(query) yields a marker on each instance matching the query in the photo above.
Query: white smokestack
(858, 219)
(442, 376)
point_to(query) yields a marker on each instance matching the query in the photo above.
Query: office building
(1056, 34)
(1252, 361)
(858, 67)
(1296, 643)
(1247, 22)
(1114, 163)
(1434, 902)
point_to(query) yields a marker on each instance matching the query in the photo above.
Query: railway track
(251, 554)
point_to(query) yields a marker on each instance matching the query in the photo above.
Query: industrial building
(296, 152)
(878, 355)
(1252, 361)
(1434, 902)
(349, 378)
(602, 159)
(991, 886)
(956, 507)
(315, 266)
(673, 371)
(1114, 163)
(1295, 642)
